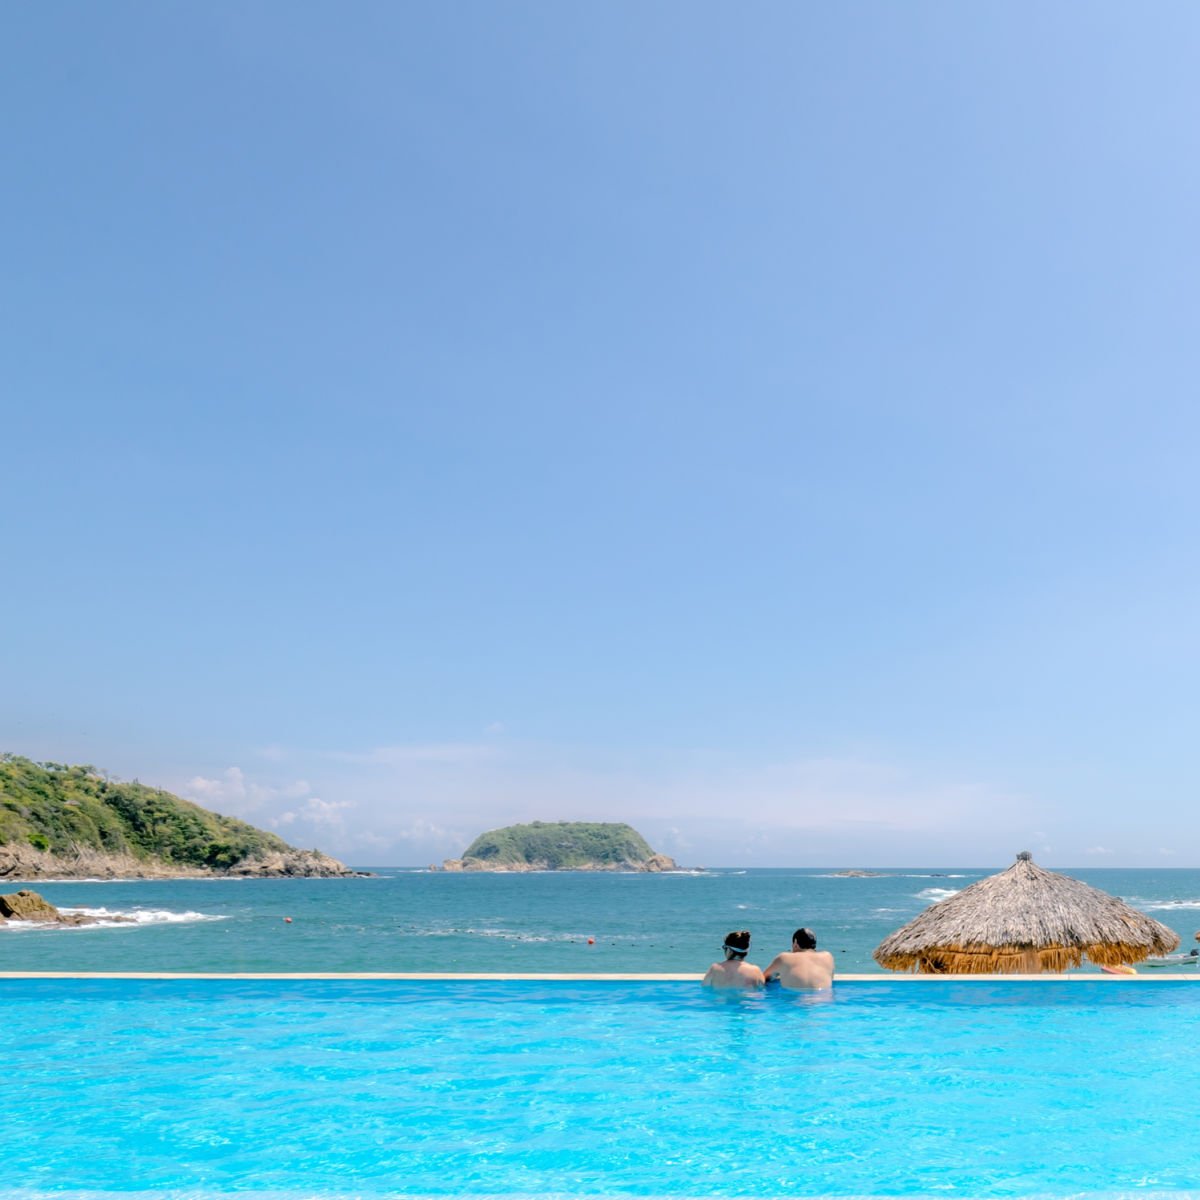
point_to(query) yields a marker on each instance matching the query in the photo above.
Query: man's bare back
(804, 967)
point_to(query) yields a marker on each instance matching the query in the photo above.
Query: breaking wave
(1162, 905)
(108, 918)
(518, 935)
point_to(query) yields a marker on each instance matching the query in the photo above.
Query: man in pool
(734, 971)
(804, 967)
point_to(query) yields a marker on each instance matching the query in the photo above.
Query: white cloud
(1098, 850)
(232, 784)
(411, 803)
(239, 794)
(316, 812)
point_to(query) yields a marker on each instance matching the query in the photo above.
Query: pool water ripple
(366, 1088)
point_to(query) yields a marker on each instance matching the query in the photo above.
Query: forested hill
(57, 819)
(561, 846)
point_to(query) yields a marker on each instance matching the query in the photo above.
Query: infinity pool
(376, 1088)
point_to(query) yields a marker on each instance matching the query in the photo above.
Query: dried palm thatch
(1024, 920)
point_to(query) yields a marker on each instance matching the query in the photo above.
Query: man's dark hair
(804, 939)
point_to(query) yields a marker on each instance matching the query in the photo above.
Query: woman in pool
(734, 971)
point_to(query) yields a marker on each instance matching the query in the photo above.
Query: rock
(452, 864)
(27, 906)
(24, 862)
(660, 862)
(296, 864)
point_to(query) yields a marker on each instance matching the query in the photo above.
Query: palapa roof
(1025, 919)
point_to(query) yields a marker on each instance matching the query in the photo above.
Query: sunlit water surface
(418, 921)
(209, 1088)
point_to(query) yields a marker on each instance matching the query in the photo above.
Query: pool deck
(530, 976)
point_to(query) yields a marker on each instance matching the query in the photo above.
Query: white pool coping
(534, 977)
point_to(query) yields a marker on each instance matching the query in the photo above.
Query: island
(71, 822)
(561, 846)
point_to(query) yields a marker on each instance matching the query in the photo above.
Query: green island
(561, 846)
(59, 821)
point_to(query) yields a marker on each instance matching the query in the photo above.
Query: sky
(775, 427)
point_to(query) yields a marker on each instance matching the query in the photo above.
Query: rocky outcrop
(296, 864)
(29, 906)
(660, 862)
(25, 862)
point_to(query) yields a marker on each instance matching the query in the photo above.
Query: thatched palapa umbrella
(1024, 920)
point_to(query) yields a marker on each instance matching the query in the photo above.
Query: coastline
(25, 864)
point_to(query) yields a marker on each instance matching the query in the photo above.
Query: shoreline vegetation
(74, 822)
(560, 846)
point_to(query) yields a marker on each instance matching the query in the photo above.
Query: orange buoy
(287, 920)
(591, 941)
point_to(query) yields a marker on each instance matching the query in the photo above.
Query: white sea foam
(107, 918)
(931, 895)
(517, 935)
(864, 875)
(1162, 905)
(144, 916)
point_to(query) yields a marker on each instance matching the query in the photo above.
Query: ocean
(416, 920)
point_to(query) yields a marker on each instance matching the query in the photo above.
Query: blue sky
(772, 427)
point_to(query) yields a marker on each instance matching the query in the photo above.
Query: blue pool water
(373, 1088)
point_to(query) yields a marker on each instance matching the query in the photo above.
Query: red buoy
(287, 920)
(591, 941)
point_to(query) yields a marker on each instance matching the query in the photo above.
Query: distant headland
(70, 822)
(561, 846)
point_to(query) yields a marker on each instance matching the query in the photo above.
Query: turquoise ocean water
(409, 920)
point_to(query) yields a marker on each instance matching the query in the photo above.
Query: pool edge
(578, 977)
